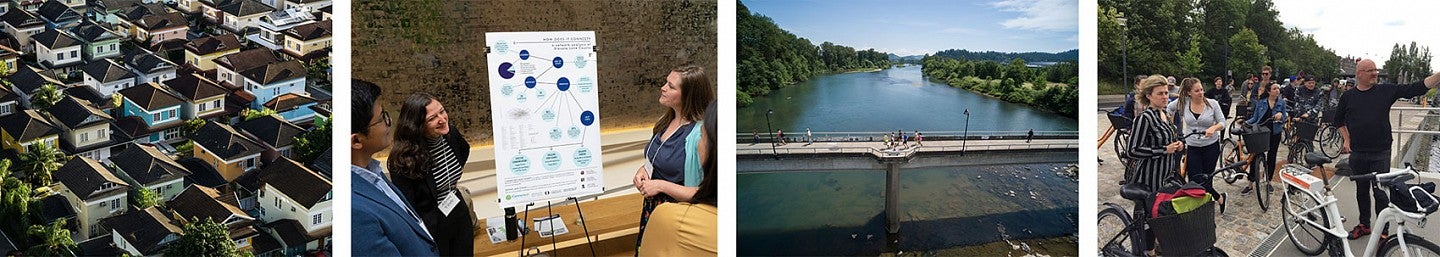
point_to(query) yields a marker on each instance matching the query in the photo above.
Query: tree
(310, 145)
(317, 72)
(46, 97)
(15, 203)
(1246, 52)
(203, 238)
(251, 114)
(39, 160)
(54, 240)
(193, 125)
(141, 198)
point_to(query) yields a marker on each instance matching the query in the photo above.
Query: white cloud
(1052, 15)
(1365, 29)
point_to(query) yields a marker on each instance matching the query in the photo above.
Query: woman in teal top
(672, 168)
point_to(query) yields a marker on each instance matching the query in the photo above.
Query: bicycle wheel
(1330, 142)
(1231, 153)
(1261, 183)
(1114, 239)
(1307, 238)
(1121, 145)
(1416, 245)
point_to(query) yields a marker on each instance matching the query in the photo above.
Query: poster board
(545, 102)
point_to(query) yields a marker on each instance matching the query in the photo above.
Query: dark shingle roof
(194, 87)
(135, 12)
(115, 5)
(161, 21)
(6, 95)
(56, 207)
(296, 181)
(28, 79)
(87, 93)
(271, 130)
(20, 18)
(289, 101)
(197, 203)
(246, 60)
(147, 165)
(225, 142)
(244, 8)
(28, 125)
(144, 229)
(275, 72)
(311, 31)
(99, 246)
(55, 11)
(107, 71)
(290, 232)
(87, 179)
(54, 39)
(151, 96)
(211, 44)
(201, 173)
(91, 32)
(73, 112)
(147, 62)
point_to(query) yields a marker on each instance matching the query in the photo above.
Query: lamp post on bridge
(768, 112)
(965, 138)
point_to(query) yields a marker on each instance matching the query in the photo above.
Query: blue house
(158, 111)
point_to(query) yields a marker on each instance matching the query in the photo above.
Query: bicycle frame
(1321, 190)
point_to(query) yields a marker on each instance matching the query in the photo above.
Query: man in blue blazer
(382, 224)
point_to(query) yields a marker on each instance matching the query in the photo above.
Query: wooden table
(613, 223)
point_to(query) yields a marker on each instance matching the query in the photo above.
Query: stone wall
(439, 47)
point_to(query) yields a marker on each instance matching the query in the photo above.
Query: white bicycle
(1314, 224)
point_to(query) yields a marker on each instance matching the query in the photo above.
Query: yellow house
(25, 128)
(201, 53)
(231, 153)
(305, 39)
(94, 191)
(198, 203)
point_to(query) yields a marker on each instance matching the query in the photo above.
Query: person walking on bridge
(918, 138)
(809, 138)
(1030, 136)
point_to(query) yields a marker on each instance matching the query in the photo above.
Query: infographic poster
(546, 109)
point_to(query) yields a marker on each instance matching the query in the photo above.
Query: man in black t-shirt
(1363, 117)
(1221, 94)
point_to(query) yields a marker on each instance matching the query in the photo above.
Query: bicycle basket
(1119, 120)
(1415, 198)
(1257, 138)
(1185, 234)
(1306, 130)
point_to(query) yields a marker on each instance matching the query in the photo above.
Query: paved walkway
(1243, 226)
(927, 146)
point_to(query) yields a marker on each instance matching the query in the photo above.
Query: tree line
(963, 54)
(770, 57)
(1012, 82)
(1205, 38)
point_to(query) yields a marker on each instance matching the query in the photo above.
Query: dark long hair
(707, 193)
(696, 91)
(408, 156)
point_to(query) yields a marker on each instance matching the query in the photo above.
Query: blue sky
(920, 27)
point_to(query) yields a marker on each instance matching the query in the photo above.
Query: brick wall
(438, 47)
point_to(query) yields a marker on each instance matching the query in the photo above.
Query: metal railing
(871, 150)
(878, 136)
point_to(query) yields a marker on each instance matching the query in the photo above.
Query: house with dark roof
(105, 103)
(158, 108)
(277, 134)
(22, 24)
(108, 11)
(290, 191)
(149, 67)
(125, 19)
(93, 190)
(58, 15)
(143, 232)
(229, 151)
(27, 5)
(273, 26)
(198, 203)
(203, 98)
(107, 77)
(145, 166)
(296, 108)
(308, 5)
(25, 128)
(85, 129)
(229, 66)
(58, 50)
(242, 14)
(202, 52)
(98, 246)
(304, 40)
(160, 27)
(271, 81)
(28, 80)
(9, 102)
(99, 41)
(55, 208)
(294, 239)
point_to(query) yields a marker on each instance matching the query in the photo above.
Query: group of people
(1161, 119)
(417, 209)
(901, 140)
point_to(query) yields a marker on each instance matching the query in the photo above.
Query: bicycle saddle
(1135, 192)
(1316, 159)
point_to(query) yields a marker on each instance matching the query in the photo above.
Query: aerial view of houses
(165, 127)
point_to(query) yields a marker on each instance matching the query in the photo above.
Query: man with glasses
(382, 224)
(1363, 117)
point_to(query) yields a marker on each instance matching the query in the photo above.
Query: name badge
(448, 203)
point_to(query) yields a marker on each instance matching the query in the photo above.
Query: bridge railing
(878, 136)
(872, 150)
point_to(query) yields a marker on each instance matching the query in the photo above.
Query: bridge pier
(893, 160)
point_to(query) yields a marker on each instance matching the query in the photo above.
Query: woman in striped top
(425, 164)
(1154, 141)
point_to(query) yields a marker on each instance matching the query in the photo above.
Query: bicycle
(1317, 214)
(1129, 228)
(1120, 129)
(1247, 152)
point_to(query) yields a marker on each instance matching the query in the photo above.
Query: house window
(276, 91)
(60, 56)
(172, 114)
(172, 133)
(84, 137)
(316, 220)
(112, 47)
(215, 104)
(277, 202)
(7, 108)
(157, 117)
(73, 53)
(285, 153)
(115, 204)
